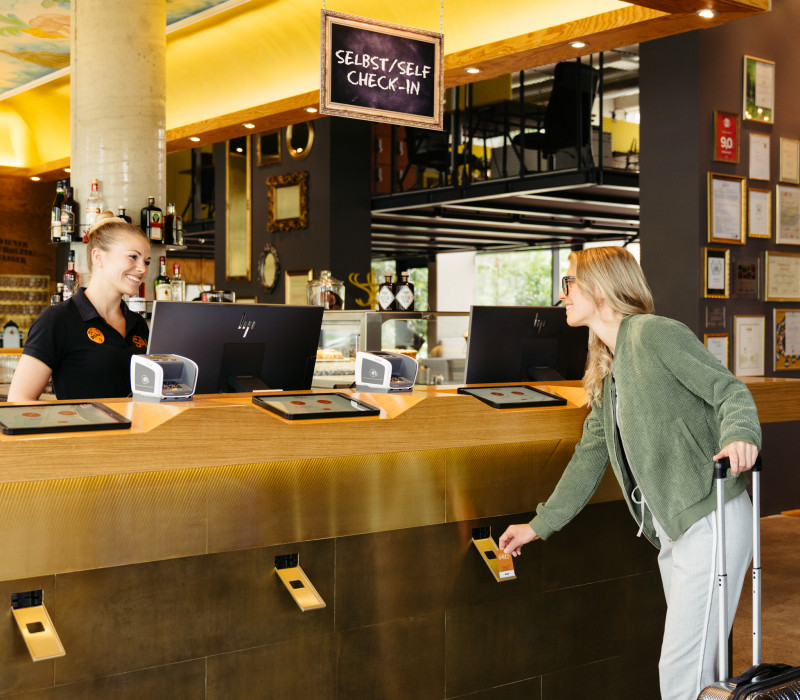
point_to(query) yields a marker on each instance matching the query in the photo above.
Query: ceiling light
(35, 178)
(239, 149)
(706, 14)
(67, 170)
(473, 69)
(578, 44)
(311, 110)
(249, 126)
(194, 138)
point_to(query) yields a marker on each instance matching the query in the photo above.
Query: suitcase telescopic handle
(721, 468)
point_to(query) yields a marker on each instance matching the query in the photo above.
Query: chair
(431, 149)
(568, 116)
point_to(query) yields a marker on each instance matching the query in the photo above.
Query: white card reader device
(383, 371)
(163, 377)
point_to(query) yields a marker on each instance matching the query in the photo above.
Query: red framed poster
(726, 137)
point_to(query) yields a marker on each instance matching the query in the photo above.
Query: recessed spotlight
(578, 44)
(311, 110)
(67, 170)
(240, 150)
(473, 69)
(35, 178)
(249, 126)
(194, 138)
(706, 14)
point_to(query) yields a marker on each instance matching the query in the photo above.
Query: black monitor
(240, 347)
(523, 343)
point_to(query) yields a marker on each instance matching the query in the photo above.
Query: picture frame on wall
(717, 345)
(759, 90)
(716, 273)
(726, 137)
(759, 212)
(748, 346)
(782, 276)
(786, 339)
(295, 285)
(787, 216)
(790, 160)
(726, 220)
(746, 275)
(759, 164)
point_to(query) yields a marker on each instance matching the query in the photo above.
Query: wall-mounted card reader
(302, 590)
(163, 377)
(500, 564)
(384, 371)
(35, 625)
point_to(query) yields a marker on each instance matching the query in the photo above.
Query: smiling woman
(86, 342)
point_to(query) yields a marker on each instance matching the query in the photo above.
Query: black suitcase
(760, 681)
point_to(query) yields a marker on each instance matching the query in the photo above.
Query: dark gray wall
(338, 234)
(683, 80)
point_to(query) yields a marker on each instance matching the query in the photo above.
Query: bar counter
(155, 550)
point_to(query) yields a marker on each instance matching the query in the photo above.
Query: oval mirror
(268, 267)
(299, 139)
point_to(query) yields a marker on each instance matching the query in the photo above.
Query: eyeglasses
(565, 284)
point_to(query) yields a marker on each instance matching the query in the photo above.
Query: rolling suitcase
(760, 681)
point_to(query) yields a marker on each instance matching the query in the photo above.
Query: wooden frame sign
(381, 71)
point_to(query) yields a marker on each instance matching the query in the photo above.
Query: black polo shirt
(89, 358)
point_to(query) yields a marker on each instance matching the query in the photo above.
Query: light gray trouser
(689, 651)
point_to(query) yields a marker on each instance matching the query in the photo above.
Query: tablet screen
(59, 417)
(518, 396)
(300, 406)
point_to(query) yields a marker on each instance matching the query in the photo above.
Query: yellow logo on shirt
(139, 342)
(96, 336)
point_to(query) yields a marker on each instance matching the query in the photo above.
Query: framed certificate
(748, 351)
(759, 156)
(786, 324)
(746, 276)
(790, 161)
(716, 273)
(726, 222)
(759, 90)
(783, 276)
(717, 344)
(787, 217)
(759, 213)
(726, 137)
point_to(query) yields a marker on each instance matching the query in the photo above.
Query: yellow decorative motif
(370, 286)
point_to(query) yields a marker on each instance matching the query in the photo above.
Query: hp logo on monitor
(538, 323)
(245, 325)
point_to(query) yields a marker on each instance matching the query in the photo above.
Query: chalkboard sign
(380, 71)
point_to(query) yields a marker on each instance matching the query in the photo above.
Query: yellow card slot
(300, 588)
(488, 548)
(38, 632)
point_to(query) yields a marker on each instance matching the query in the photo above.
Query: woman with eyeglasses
(662, 410)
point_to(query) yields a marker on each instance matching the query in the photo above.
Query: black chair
(568, 116)
(427, 149)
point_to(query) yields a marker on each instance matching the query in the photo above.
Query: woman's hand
(742, 456)
(514, 537)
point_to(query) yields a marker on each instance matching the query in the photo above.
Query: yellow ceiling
(259, 61)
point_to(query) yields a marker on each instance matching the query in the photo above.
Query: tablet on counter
(518, 396)
(59, 418)
(304, 406)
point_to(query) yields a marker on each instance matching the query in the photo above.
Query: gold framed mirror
(299, 139)
(269, 267)
(287, 202)
(237, 210)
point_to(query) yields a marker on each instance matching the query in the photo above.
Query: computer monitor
(523, 343)
(240, 347)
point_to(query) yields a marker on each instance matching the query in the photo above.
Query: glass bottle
(404, 293)
(163, 286)
(169, 225)
(122, 215)
(386, 298)
(152, 222)
(94, 204)
(70, 221)
(178, 285)
(71, 277)
(55, 213)
(326, 291)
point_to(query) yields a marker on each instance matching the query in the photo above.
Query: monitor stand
(246, 384)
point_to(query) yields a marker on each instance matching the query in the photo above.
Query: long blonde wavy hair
(608, 275)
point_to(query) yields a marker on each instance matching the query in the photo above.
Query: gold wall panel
(262, 504)
(76, 524)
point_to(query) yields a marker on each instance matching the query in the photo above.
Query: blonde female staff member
(86, 342)
(662, 409)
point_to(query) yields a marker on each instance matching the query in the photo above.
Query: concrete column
(118, 103)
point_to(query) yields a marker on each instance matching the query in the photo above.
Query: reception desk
(155, 551)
